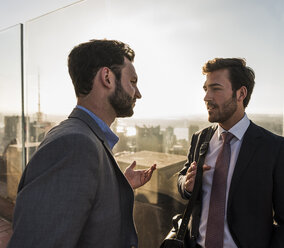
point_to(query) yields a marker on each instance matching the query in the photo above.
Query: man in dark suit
(242, 196)
(72, 192)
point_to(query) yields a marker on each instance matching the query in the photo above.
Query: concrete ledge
(6, 209)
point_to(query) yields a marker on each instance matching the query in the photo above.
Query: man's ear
(242, 93)
(106, 77)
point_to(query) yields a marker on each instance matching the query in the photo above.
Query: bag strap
(197, 185)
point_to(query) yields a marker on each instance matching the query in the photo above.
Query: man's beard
(121, 101)
(224, 112)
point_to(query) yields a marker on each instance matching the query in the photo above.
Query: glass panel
(10, 111)
(172, 42)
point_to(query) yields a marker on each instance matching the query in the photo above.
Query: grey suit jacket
(256, 196)
(72, 192)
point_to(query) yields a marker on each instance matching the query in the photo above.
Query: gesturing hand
(137, 178)
(191, 174)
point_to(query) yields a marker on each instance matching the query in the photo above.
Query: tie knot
(227, 137)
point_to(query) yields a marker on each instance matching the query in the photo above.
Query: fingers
(189, 184)
(153, 167)
(149, 172)
(190, 177)
(191, 174)
(191, 170)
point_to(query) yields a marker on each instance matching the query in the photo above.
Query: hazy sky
(172, 40)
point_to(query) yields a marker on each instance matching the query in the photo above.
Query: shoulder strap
(198, 180)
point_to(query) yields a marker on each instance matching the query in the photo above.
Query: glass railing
(11, 121)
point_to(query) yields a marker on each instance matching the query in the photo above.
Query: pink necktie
(216, 216)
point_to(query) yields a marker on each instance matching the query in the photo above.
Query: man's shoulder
(70, 127)
(70, 131)
(263, 133)
(203, 135)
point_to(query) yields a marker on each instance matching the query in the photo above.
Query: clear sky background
(172, 40)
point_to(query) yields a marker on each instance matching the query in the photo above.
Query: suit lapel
(127, 193)
(251, 141)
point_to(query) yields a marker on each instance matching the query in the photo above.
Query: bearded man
(241, 201)
(72, 192)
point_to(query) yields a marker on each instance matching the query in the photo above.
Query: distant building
(155, 139)
(11, 147)
(12, 129)
(169, 139)
(125, 143)
(37, 130)
(149, 138)
(11, 136)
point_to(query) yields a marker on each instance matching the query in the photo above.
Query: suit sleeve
(182, 173)
(277, 240)
(57, 194)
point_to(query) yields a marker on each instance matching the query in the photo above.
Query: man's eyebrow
(212, 85)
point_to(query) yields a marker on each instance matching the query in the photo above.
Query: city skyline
(172, 41)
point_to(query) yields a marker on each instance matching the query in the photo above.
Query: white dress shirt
(215, 145)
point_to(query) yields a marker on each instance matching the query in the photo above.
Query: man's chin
(123, 114)
(212, 118)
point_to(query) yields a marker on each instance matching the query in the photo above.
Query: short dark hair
(240, 74)
(87, 58)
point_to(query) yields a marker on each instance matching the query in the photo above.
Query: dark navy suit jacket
(256, 196)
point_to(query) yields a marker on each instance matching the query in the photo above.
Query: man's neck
(102, 112)
(228, 124)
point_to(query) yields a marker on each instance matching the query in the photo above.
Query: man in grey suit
(241, 203)
(72, 192)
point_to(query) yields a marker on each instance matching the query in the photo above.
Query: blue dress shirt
(111, 138)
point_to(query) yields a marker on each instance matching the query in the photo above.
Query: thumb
(132, 166)
(206, 167)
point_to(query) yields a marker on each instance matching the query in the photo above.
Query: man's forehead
(221, 73)
(218, 77)
(129, 67)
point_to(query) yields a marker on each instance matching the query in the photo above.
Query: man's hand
(137, 178)
(190, 176)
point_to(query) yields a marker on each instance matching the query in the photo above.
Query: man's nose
(207, 96)
(137, 93)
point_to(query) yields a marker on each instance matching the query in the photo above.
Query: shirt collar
(111, 138)
(238, 130)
